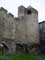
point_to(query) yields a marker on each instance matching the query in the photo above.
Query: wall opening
(29, 12)
(21, 48)
(3, 48)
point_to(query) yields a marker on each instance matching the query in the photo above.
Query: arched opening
(29, 12)
(3, 48)
(6, 47)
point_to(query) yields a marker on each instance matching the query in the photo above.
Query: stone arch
(5, 44)
(4, 47)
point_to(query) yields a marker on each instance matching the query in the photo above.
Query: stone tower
(28, 25)
(27, 32)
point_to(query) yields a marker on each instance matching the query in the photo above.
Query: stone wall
(27, 27)
(7, 25)
(20, 30)
(7, 29)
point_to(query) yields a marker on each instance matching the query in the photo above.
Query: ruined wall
(22, 30)
(7, 29)
(8, 25)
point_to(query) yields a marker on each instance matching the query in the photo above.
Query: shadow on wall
(24, 48)
(21, 48)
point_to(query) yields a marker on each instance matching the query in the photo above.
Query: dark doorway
(19, 48)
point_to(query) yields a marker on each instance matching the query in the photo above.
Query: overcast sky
(12, 6)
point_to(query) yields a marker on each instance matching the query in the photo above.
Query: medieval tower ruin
(17, 34)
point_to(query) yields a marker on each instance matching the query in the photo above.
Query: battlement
(5, 11)
(22, 11)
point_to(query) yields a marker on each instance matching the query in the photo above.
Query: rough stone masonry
(19, 34)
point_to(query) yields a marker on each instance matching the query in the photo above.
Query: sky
(12, 6)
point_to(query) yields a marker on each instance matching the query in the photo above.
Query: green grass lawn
(22, 57)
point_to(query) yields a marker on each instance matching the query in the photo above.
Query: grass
(22, 57)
